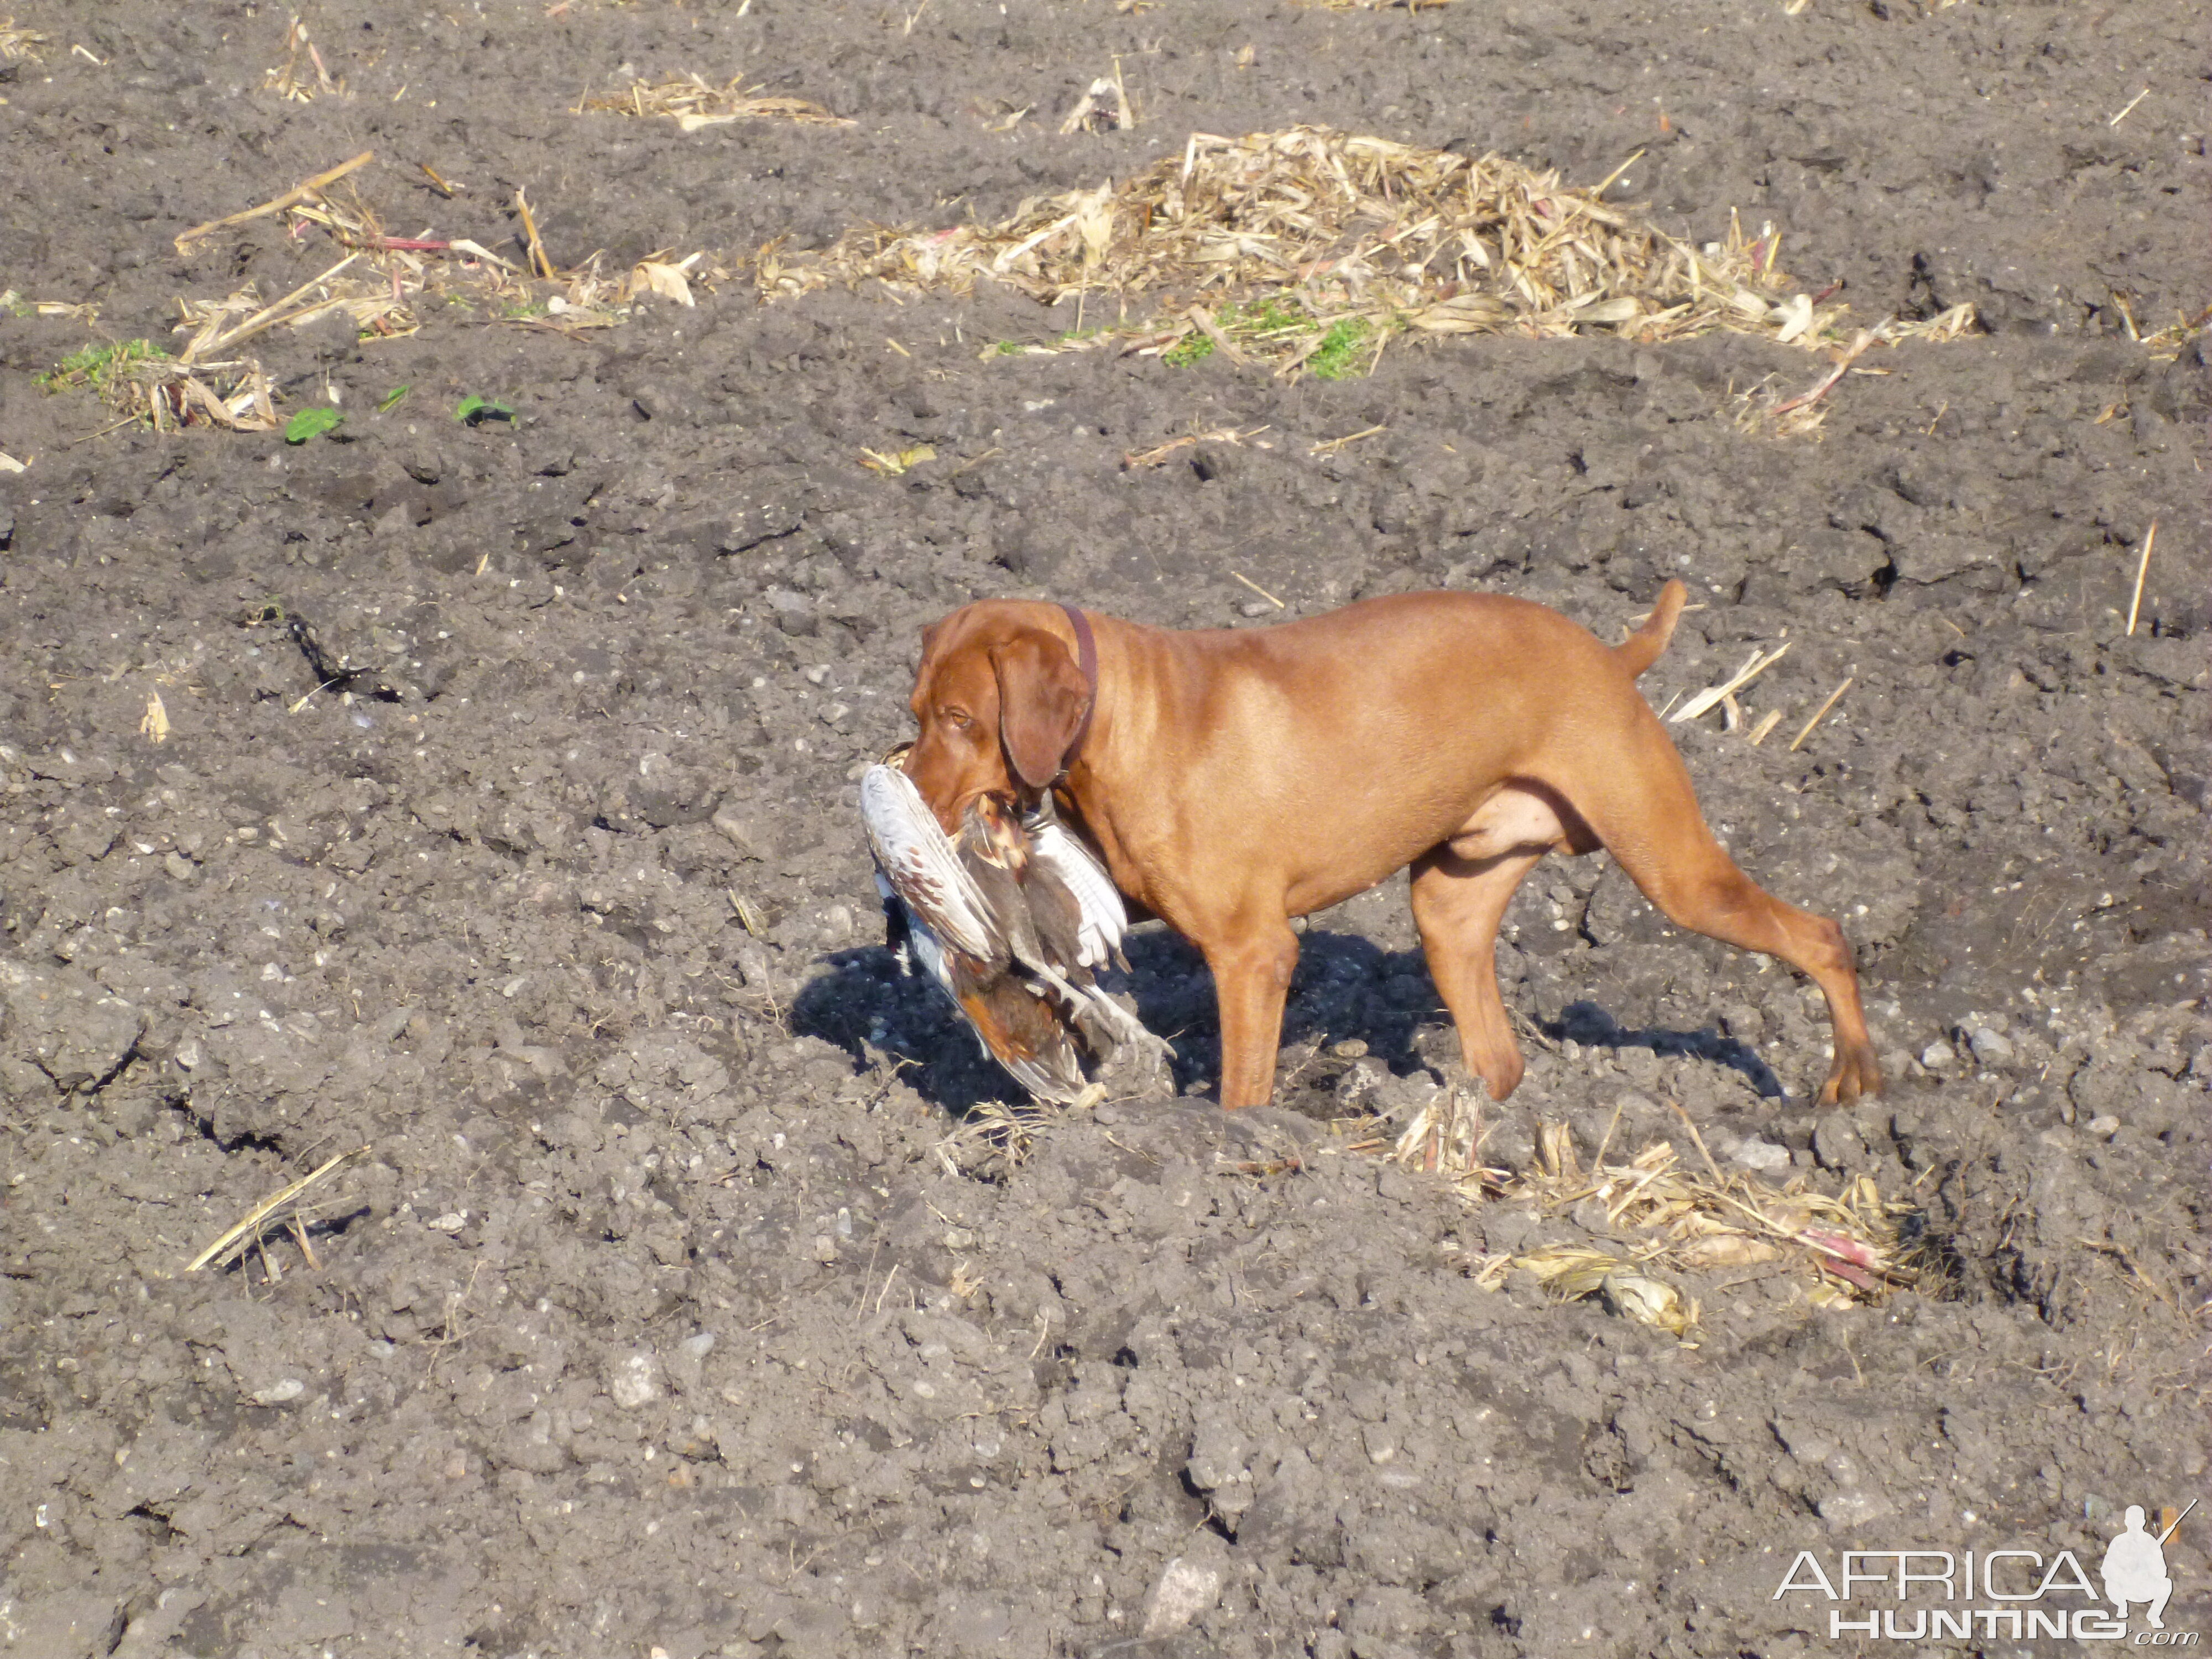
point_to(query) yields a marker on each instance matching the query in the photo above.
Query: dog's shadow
(1348, 993)
(1591, 1026)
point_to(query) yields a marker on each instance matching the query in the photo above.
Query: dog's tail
(1642, 648)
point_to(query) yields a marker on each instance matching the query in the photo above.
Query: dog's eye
(955, 718)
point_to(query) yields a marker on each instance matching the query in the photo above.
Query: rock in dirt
(1187, 1589)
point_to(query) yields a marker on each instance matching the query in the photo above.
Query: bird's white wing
(919, 861)
(927, 951)
(1104, 919)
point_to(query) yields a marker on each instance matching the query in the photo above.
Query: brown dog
(1233, 780)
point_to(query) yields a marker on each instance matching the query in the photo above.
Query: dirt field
(479, 793)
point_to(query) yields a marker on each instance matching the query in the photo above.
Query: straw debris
(398, 272)
(1854, 1247)
(1819, 713)
(383, 285)
(896, 463)
(1762, 410)
(692, 102)
(1307, 249)
(280, 1208)
(85, 312)
(2166, 344)
(140, 382)
(1104, 108)
(291, 80)
(1159, 454)
(1760, 662)
(306, 190)
(1858, 1246)
(998, 1136)
(1572, 1271)
(18, 42)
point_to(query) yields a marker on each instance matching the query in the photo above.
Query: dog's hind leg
(1457, 905)
(1630, 787)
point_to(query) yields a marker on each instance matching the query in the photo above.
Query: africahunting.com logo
(1999, 1595)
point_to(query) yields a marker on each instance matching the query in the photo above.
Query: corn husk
(1853, 1245)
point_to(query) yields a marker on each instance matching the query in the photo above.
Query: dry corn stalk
(140, 383)
(1854, 1240)
(1571, 1272)
(378, 285)
(1760, 409)
(692, 103)
(278, 1206)
(18, 42)
(655, 274)
(289, 80)
(1103, 107)
(1333, 226)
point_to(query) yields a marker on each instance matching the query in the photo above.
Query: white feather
(918, 860)
(1103, 919)
(927, 951)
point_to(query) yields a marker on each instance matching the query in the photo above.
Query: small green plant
(392, 398)
(1341, 348)
(312, 423)
(1009, 347)
(473, 411)
(1270, 314)
(99, 366)
(1194, 347)
(1264, 323)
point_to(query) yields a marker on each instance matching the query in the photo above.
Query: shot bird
(1010, 916)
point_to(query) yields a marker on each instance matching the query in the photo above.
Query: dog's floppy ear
(1041, 703)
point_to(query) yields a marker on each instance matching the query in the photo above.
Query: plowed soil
(503, 826)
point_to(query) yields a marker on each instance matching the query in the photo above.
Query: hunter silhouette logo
(2000, 1594)
(2135, 1567)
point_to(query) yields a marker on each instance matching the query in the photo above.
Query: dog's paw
(1855, 1075)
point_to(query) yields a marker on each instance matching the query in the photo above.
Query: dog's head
(999, 701)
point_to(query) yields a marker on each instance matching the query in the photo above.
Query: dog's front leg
(1251, 977)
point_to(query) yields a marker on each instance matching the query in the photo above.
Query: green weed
(1341, 348)
(1269, 315)
(1194, 347)
(99, 366)
(475, 410)
(312, 423)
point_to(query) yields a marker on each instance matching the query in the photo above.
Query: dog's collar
(1086, 660)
